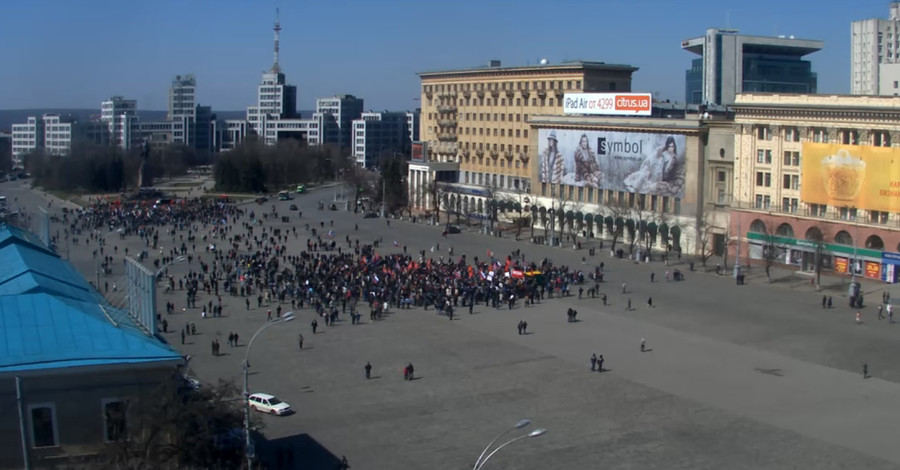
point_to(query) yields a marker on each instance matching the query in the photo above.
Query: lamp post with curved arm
(535, 433)
(521, 424)
(288, 316)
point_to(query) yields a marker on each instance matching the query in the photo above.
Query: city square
(740, 376)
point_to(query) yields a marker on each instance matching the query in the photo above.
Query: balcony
(495, 154)
(446, 108)
(495, 93)
(447, 137)
(542, 93)
(479, 153)
(510, 93)
(444, 148)
(480, 93)
(523, 157)
(447, 123)
(508, 155)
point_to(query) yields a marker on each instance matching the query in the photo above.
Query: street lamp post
(248, 446)
(536, 433)
(521, 424)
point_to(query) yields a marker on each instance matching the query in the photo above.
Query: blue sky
(73, 54)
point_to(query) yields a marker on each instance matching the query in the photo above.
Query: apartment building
(875, 55)
(478, 119)
(816, 173)
(120, 115)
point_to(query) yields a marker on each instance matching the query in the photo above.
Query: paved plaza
(753, 376)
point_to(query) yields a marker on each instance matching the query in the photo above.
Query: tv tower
(275, 67)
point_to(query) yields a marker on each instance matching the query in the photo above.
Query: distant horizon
(376, 52)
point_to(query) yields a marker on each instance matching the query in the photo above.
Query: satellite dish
(544, 61)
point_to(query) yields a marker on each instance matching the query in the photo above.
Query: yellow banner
(852, 176)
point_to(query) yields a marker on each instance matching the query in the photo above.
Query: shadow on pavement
(297, 451)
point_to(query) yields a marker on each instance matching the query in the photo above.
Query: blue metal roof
(50, 317)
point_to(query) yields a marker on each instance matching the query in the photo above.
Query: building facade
(875, 54)
(815, 181)
(478, 119)
(120, 115)
(376, 135)
(731, 63)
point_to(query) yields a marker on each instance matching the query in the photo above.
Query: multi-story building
(27, 137)
(376, 135)
(732, 63)
(120, 115)
(478, 119)
(875, 55)
(338, 112)
(814, 181)
(182, 97)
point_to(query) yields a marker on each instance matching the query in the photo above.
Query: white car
(268, 404)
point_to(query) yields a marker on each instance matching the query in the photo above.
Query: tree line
(100, 168)
(255, 167)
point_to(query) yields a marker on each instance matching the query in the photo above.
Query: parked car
(266, 403)
(452, 229)
(293, 207)
(261, 199)
(371, 215)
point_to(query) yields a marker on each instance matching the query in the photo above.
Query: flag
(375, 276)
(331, 233)
(396, 244)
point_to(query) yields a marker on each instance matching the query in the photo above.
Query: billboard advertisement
(419, 151)
(635, 162)
(854, 176)
(608, 104)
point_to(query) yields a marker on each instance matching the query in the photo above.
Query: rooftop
(779, 45)
(52, 318)
(494, 67)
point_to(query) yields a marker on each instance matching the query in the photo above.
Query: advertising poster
(841, 265)
(861, 177)
(634, 162)
(873, 270)
(609, 104)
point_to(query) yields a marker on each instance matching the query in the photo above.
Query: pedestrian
(524, 327)
(300, 341)
(405, 372)
(182, 336)
(165, 325)
(269, 315)
(593, 362)
(624, 287)
(865, 371)
(314, 325)
(652, 277)
(368, 370)
(880, 315)
(824, 300)
(600, 363)
(213, 347)
(247, 300)
(580, 291)
(643, 345)
(858, 318)
(628, 309)
(231, 339)
(604, 299)
(829, 301)
(649, 302)
(409, 368)
(519, 327)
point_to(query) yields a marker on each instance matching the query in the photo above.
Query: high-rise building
(378, 135)
(732, 63)
(120, 115)
(182, 97)
(875, 55)
(338, 113)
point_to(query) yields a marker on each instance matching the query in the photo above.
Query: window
(720, 176)
(791, 134)
(654, 203)
(677, 210)
(849, 137)
(881, 139)
(114, 420)
(763, 179)
(789, 204)
(763, 133)
(43, 425)
(847, 213)
(791, 159)
(818, 210)
(763, 156)
(590, 194)
(878, 217)
(819, 134)
(580, 194)
(790, 182)
(759, 201)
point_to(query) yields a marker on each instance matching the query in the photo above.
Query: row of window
(877, 138)
(522, 85)
(587, 194)
(497, 181)
(476, 101)
(45, 430)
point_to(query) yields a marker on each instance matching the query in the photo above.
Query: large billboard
(609, 104)
(635, 162)
(853, 176)
(419, 151)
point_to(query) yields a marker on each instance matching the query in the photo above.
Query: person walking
(624, 288)
(865, 371)
(593, 362)
(600, 363)
(858, 318)
(824, 300)
(368, 370)
(652, 277)
(643, 345)
(649, 303)
(314, 325)
(628, 309)
(300, 341)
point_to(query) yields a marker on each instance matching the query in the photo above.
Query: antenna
(275, 67)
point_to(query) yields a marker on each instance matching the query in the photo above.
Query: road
(753, 376)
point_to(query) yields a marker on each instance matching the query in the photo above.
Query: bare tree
(770, 249)
(435, 192)
(705, 231)
(818, 234)
(618, 211)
